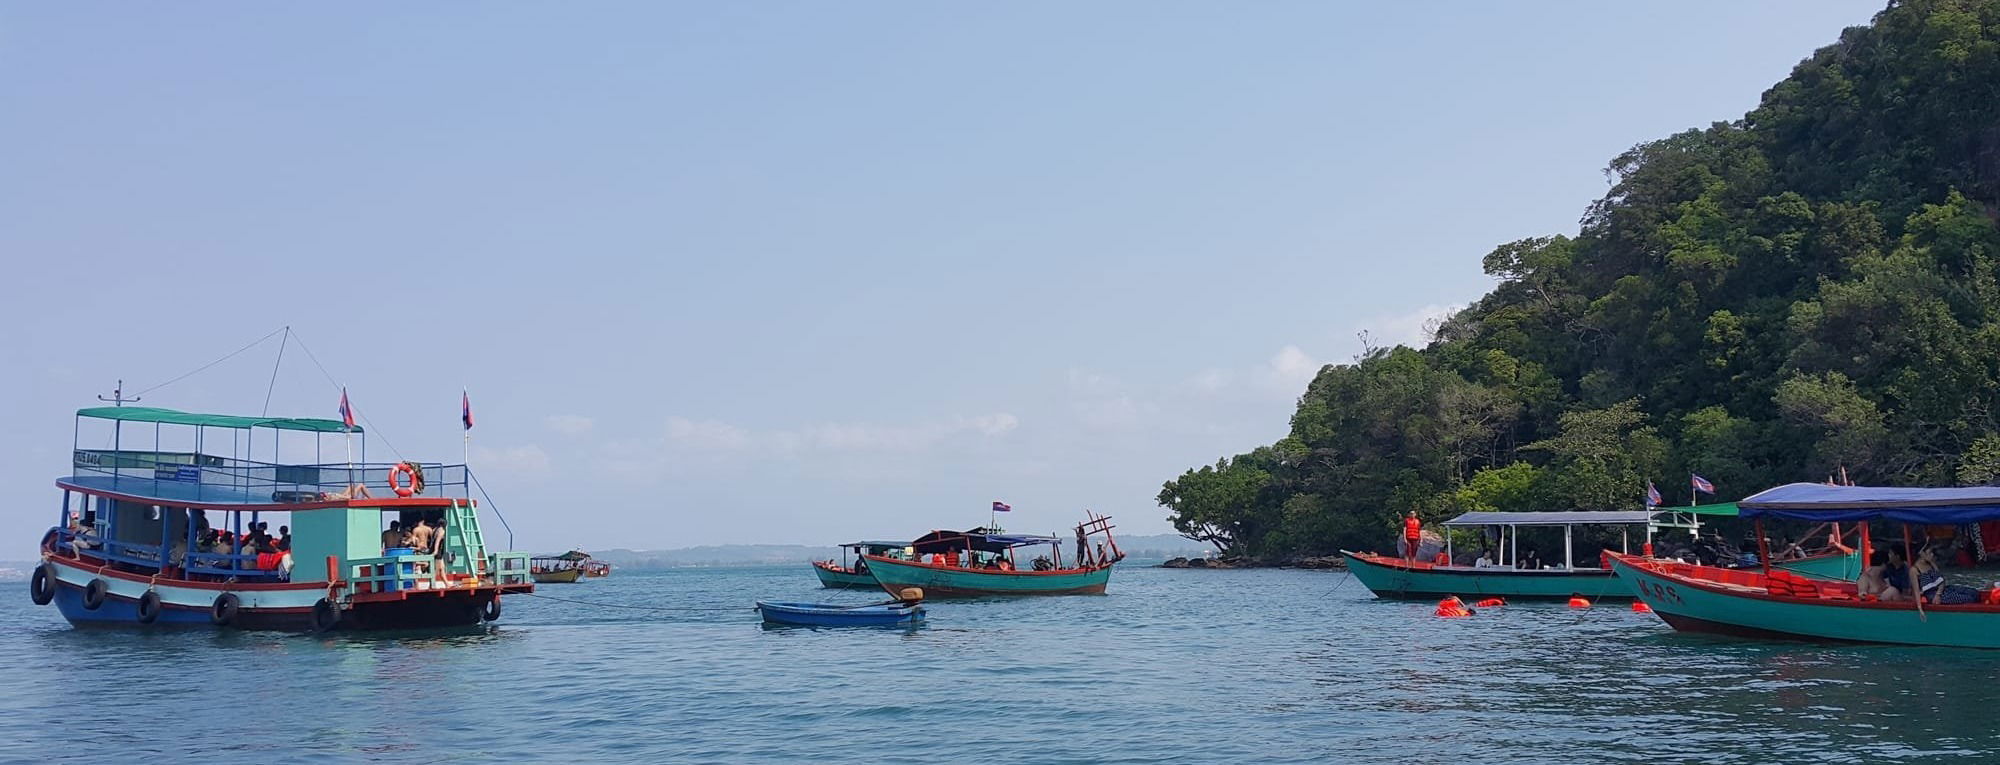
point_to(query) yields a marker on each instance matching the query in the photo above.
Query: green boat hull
(939, 581)
(838, 580)
(1389, 578)
(1693, 605)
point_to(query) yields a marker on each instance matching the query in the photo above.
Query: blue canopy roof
(1820, 502)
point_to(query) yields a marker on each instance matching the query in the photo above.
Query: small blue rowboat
(828, 615)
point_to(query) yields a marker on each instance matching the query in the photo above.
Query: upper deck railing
(209, 479)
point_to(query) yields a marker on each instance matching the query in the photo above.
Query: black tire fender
(326, 615)
(223, 612)
(491, 611)
(42, 585)
(150, 607)
(93, 594)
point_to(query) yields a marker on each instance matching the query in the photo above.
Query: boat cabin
(1509, 525)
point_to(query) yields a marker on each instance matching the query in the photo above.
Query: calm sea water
(1253, 666)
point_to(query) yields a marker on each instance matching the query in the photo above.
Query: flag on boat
(1001, 507)
(1702, 485)
(1653, 498)
(465, 409)
(346, 412)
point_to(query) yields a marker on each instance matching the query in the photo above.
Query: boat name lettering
(1656, 591)
(183, 473)
(88, 458)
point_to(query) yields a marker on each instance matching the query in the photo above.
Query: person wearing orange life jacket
(1413, 536)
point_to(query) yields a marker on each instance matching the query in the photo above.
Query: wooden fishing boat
(566, 568)
(596, 569)
(1773, 603)
(854, 575)
(1390, 577)
(136, 542)
(949, 563)
(832, 615)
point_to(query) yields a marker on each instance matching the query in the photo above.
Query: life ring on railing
(415, 474)
(93, 594)
(149, 607)
(223, 612)
(42, 586)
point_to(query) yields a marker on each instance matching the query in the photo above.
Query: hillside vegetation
(1813, 286)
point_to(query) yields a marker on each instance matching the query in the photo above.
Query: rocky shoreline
(1334, 562)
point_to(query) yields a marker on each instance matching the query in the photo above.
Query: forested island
(1812, 287)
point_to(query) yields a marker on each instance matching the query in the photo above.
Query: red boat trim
(989, 571)
(1739, 592)
(101, 569)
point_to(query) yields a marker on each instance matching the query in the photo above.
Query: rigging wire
(198, 370)
(490, 506)
(273, 387)
(635, 608)
(336, 386)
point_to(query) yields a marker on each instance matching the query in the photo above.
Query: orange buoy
(1577, 601)
(1640, 607)
(1491, 603)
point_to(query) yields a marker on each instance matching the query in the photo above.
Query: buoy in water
(1577, 601)
(1491, 603)
(1640, 607)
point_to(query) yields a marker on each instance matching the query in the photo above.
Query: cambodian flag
(1653, 498)
(1001, 507)
(1702, 485)
(346, 412)
(465, 409)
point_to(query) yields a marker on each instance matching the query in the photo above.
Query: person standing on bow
(1413, 536)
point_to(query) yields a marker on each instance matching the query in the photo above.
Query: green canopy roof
(171, 417)
(1720, 508)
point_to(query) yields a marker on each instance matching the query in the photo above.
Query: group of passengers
(1890, 576)
(422, 535)
(969, 559)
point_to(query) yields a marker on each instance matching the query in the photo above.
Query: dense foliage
(1811, 287)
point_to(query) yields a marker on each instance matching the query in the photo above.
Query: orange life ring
(404, 468)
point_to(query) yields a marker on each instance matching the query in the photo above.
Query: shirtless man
(420, 537)
(393, 536)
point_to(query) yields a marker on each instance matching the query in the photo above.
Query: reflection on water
(1266, 666)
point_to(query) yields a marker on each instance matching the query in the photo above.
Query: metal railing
(259, 481)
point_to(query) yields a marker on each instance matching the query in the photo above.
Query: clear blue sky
(798, 272)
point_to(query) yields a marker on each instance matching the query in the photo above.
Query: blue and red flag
(1001, 507)
(1702, 485)
(1653, 498)
(346, 412)
(465, 409)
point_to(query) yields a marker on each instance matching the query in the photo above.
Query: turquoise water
(1199, 666)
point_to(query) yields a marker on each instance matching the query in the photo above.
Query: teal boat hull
(940, 581)
(1691, 603)
(1392, 578)
(834, 579)
(1840, 567)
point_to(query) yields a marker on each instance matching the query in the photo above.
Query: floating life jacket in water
(1452, 608)
(1577, 601)
(1640, 607)
(1491, 603)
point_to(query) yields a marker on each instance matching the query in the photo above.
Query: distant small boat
(830, 615)
(853, 575)
(596, 569)
(559, 569)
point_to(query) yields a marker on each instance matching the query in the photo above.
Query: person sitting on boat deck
(1887, 576)
(1005, 563)
(392, 536)
(284, 539)
(1485, 560)
(1042, 563)
(860, 565)
(1929, 579)
(1533, 561)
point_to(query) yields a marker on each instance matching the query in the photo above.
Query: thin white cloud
(569, 424)
(528, 459)
(707, 436)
